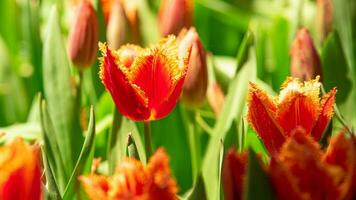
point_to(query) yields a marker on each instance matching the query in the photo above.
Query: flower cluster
(301, 170)
(132, 180)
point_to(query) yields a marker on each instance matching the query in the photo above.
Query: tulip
(132, 180)
(116, 28)
(324, 18)
(195, 85)
(300, 170)
(303, 171)
(145, 84)
(20, 172)
(305, 61)
(175, 15)
(83, 36)
(216, 97)
(298, 105)
(234, 169)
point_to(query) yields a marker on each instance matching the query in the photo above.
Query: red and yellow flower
(134, 181)
(301, 170)
(20, 172)
(298, 105)
(145, 83)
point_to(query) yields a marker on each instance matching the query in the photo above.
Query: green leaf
(51, 148)
(335, 68)
(258, 186)
(233, 109)
(58, 91)
(198, 191)
(52, 187)
(85, 158)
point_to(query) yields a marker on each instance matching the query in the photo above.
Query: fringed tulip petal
(260, 116)
(342, 154)
(95, 186)
(161, 185)
(129, 98)
(20, 172)
(301, 155)
(298, 106)
(327, 111)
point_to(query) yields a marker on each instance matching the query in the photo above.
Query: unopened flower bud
(116, 30)
(216, 98)
(196, 82)
(130, 8)
(83, 36)
(305, 61)
(324, 19)
(175, 15)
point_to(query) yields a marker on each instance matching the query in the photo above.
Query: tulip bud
(305, 61)
(130, 8)
(324, 18)
(83, 37)
(216, 98)
(195, 84)
(175, 15)
(116, 30)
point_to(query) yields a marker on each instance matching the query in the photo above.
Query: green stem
(112, 139)
(148, 138)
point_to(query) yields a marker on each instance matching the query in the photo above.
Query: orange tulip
(134, 181)
(145, 83)
(301, 170)
(298, 105)
(20, 172)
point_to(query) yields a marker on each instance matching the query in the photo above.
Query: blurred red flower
(132, 180)
(20, 172)
(301, 170)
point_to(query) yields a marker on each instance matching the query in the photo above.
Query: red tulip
(20, 172)
(300, 170)
(233, 174)
(305, 61)
(145, 83)
(83, 36)
(196, 82)
(174, 15)
(132, 180)
(298, 105)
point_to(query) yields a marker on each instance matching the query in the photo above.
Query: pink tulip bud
(324, 19)
(305, 61)
(216, 98)
(195, 84)
(175, 15)
(116, 29)
(83, 36)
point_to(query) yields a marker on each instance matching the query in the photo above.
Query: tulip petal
(327, 106)
(159, 74)
(95, 186)
(298, 105)
(301, 155)
(260, 116)
(234, 171)
(128, 97)
(342, 153)
(161, 184)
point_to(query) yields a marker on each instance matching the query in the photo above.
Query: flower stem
(148, 138)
